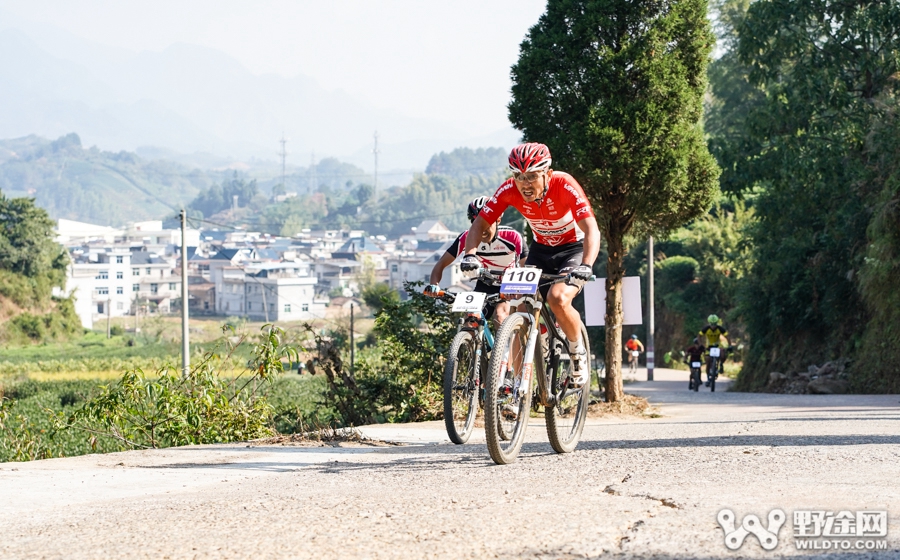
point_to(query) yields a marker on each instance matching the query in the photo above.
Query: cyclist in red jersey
(566, 236)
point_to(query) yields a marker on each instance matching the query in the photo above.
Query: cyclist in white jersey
(500, 248)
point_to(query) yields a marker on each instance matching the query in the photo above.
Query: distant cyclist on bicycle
(713, 334)
(566, 236)
(694, 354)
(500, 248)
(633, 345)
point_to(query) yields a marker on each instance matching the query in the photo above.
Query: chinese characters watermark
(813, 529)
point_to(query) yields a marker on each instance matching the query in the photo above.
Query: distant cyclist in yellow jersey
(714, 335)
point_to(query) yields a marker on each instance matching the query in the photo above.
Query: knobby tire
(505, 437)
(460, 387)
(565, 420)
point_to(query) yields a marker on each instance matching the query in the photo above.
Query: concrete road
(635, 488)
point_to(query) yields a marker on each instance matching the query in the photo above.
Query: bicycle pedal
(509, 413)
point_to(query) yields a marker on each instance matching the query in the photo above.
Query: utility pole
(650, 354)
(185, 297)
(283, 153)
(313, 180)
(265, 304)
(375, 152)
(108, 317)
(352, 345)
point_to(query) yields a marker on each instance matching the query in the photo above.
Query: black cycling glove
(469, 263)
(582, 272)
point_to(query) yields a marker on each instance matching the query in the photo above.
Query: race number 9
(468, 301)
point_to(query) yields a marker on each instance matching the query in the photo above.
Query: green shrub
(140, 412)
(27, 413)
(400, 380)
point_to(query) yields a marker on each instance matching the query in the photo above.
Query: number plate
(695, 364)
(468, 301)
(715, 352)
(520, 281)
(635, 353)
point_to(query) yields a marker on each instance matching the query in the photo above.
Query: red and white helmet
(529, 157)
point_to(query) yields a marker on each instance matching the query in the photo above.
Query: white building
(69, 232)
(110, 281)
(282, 291)
(411, 268)
(433, 230)
(271, 297)
(152, 235)
(337, 274)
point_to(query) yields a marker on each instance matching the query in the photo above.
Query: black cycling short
(555, 260)
(488, 289)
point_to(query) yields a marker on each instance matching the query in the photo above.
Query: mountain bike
(716, 357)
(466, 363)
(529, 341)
(694, 382)
(633, 361)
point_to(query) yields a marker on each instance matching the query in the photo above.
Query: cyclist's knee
(501, 312)
(558, 297)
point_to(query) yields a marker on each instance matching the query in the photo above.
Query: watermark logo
(844, 530)
(768, 537)
(813, 529)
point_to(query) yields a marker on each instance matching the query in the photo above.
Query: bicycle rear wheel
(461, 387)
(565, 420)
(507, 402)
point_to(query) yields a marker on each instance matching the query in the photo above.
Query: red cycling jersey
(552, 219)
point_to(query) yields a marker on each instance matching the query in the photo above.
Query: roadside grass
(292, 396)
(40, 382)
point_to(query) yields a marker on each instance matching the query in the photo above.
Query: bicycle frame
(534, 310)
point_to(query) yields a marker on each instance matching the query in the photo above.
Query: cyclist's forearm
(474, 237)
(436, 275)
(591, 240)
(438, 271)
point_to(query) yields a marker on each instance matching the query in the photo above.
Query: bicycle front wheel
(461, 387)
(507, 402)
(565, 420)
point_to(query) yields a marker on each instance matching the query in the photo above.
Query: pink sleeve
(515, 238)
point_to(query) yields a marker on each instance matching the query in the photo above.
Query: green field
(40, 381)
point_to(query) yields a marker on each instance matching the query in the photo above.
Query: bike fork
(523, 382)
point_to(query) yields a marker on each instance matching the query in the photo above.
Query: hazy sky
(447, 60)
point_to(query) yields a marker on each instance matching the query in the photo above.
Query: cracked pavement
(635, 488)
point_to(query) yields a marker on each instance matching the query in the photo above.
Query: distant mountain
(193, 99)
(90, 185)
(114, 188)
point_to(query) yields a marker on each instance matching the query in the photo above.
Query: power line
(393, 220)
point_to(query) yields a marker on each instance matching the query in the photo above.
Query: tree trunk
(615, 272)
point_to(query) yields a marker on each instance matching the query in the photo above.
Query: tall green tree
(615, 88)
(820, 78)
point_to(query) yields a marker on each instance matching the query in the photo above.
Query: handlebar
(450, 297)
